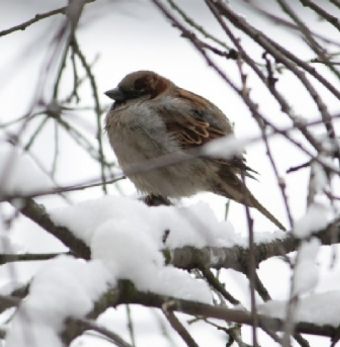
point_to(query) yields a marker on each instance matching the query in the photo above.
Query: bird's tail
(233, 188)
(256, 204)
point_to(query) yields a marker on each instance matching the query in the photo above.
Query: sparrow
(152, 117)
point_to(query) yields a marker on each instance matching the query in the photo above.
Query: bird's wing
(197, 122)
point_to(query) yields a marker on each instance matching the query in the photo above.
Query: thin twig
(98, 110)
(115, 338)
(216, 284)
(35, 19)
(130, 325)
(333, 20)
(177, 325)
(8, 258)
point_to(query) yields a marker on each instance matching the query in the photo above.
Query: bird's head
(139, 84)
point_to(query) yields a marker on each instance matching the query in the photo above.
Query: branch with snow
(115, 236)
(52, 309)
(214, 245)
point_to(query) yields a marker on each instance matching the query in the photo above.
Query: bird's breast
(137, 134)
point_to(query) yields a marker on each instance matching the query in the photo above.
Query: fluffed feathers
(152, 117)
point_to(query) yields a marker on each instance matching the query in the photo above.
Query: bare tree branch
(36, 18)
(38, 214)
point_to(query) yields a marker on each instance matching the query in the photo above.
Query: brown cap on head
(138, 84)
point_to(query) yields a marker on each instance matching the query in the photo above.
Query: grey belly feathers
(136, 142)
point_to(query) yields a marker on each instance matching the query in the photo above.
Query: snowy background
(121, 37)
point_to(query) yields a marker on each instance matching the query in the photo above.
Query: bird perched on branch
(152, 118)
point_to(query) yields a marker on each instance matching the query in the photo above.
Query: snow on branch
(214, 244)
(94, 299)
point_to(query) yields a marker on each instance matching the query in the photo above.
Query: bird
(152, 117)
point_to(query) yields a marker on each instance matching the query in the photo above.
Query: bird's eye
(140, 85)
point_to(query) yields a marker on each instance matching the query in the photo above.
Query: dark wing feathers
(201, 123)
(191, 132)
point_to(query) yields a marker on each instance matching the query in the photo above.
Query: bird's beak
(115, 94)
